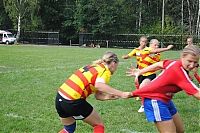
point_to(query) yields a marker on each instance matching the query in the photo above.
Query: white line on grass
(14, 115)
(3, 67)
(35, 69)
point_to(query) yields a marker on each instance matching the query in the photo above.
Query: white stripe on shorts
(78, 117)
(156, 110)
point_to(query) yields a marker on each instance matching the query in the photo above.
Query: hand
(195, 70)
(170, 46)
(125, 57)
(126, 95)
(133, 72)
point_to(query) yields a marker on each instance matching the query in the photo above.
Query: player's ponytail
(107, 58)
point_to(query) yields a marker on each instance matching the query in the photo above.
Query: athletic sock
(70, 128)
(63, 131)
(99, 129)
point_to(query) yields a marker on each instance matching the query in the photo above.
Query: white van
(6, 37)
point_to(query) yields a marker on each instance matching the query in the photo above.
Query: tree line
(71, 17)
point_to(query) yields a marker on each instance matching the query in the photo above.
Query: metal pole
(107, 43)
(163, 18)
(163, 15)
(182, 15)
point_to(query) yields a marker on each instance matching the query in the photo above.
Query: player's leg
(95, 121)
(137, 85)
(159, 112)
(145, 82)
(178, 123)
(176, 118)
(175, 122)
(69, 125)
(68, 122)
(166, 126)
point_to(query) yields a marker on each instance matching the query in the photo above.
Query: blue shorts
(156, 110)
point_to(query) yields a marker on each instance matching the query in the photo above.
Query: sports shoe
(137, 98)
(141, 109)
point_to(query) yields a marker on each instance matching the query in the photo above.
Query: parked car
(6, 37)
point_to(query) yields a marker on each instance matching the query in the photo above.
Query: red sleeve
(166, 63)
(184, 82)
(197, 77)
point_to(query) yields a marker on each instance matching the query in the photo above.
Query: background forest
(71, 17)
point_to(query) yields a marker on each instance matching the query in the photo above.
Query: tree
(19, 10)
(198, 21)
(5, 22)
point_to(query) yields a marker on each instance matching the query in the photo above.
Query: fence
(39, 37)
(132, 40)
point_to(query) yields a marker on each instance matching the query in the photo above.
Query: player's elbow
(99, 96)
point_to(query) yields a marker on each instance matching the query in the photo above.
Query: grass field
(30, 76)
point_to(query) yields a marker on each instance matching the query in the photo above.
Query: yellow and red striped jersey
(81, 83)
(147, 59)
(135, 52)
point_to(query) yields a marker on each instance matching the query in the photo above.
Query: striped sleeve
(186, 84)
(132, 53)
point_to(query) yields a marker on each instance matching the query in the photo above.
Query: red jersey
(172, 80)
(197, 77)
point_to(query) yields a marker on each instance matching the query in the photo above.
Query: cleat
(141, 109)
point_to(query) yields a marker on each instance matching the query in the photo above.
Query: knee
(180, 130)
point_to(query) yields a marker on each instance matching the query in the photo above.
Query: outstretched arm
(132, 53)
(158, 50)
(102, 87)
(125, 56)
(105, 96)
(137, 72)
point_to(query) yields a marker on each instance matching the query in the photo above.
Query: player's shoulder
(168, 63)
(147, 49)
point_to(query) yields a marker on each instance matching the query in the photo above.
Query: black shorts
(141, 78)
(78, 109)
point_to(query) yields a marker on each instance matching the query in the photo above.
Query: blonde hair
(154, 41)
(107, 58)
(143, 37)
(191, 49)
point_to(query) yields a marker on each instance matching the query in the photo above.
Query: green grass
(30, 76)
